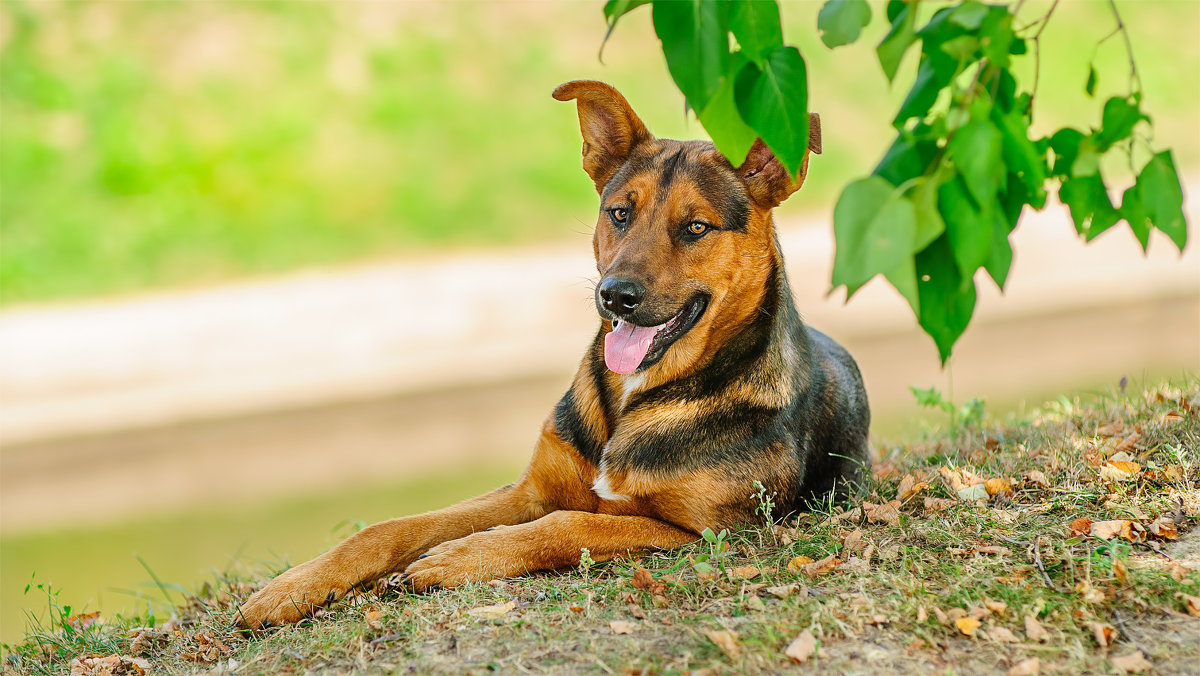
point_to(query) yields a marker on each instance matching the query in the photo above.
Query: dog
(701, 381)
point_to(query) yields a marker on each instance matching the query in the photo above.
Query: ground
(1054, 543)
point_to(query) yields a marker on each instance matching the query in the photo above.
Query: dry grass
(902, 600)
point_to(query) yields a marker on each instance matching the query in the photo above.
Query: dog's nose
(621, 296)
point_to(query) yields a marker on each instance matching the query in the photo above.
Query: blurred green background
(150, 145)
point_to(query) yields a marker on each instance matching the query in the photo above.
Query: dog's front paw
(475, 558)
(290, 597)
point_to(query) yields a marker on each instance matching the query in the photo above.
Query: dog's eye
(619, 215)
(696, 228)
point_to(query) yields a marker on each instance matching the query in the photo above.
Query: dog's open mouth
(629, 347)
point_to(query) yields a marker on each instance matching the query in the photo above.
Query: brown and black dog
(701, 380)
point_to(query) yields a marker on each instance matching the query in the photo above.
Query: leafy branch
(947, 194)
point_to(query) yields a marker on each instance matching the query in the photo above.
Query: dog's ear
(609, 126)
(764, 176)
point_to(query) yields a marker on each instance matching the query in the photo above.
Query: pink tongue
(626, 346)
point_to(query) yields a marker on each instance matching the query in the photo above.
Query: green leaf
(930, 225)
(694, 35)
(1021, 156)
(1159, 197)
(1000, 252)
(898, 39)
(1090, 207)
(1087, 160)
(970, 15)
(613, 11)
(773, 100)
(874, 227)
(729, 132)
(904, 278)
(1136, 214)
(976, 150)
(1065, 144)
(968, 227)
(1090, 87)
(996, 35)
(947, 299)
(841, 21)
(755, 24)
(708, 535)
(932, 75)
(905, 159)
(1120, 116)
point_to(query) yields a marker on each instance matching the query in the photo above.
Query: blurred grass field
(152, 144)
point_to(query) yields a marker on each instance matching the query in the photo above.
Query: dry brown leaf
(1111, 429)
(853, 543)
(797, 564)
(1105, 634)
(887, 512)
(1127, 443)
(725, 640)
(1002, 634)
(83, 620)
(1192, 603)
(905, 486)
(1037, 477)
(972, 493)
(493, 612)
(1107, 530)
(1080, 526)
(998, 486)
(818, 568)
(802, 648)
(646, 582)
(1133, 663)
(744, 573)
(1164, 528)
(941, 616)
(922, 614)
(1172, 417)
(622, 627)
(782, 591)
(1034, 630)
(967, 625)
(1090, 593)
(959, 478)
(1029, 667)
(993, 549)
(1120, 571)
(374, 617)
(998, 607)
(937, 504)
(1119, 470)
(107, 666)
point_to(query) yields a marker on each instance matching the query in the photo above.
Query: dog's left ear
(609, 126)
(764, 176)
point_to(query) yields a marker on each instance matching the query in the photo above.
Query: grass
(904, 601)
(153, 144)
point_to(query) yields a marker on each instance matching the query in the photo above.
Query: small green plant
(969, 415)
(704, 563)
(766, 505)
(585, 563)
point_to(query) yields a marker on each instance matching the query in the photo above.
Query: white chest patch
(602, 488)
(631, 384)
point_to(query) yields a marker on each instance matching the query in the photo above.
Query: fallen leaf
(959, 478)
(922, 614)
(941, 616)
(997, 607)
(937, 504)
(1120, 571)
(1104, 634)
(782, 591)
(972, 493)
(83, 620)
(853, 543)
(797, 564)
(576, 609)
(744, 573)
(1034, 630)
(802, 647)
(646, 582)
(636, 611)
(622, 627)
(1133, 663)
(1080, 526)
(1164, 528)
(1172, 417)
(1090, 593)
(1192, 603)
(1037, 477)
(967, 625)
(906, 486)
(998, 550)
(887, 512)
(998, 486)
(1119, 470)
(755, 604)
(855, 565)
(1107, 530)
(1127, 443)
(725, 640)
(818, 568)
(1111, 429)
(1029, 667)
(660, 601)
(374, 617)
(1002, 635)
(494, 612)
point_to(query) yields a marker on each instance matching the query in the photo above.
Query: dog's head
(684, 242)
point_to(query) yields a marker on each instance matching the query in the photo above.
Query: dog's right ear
(609, 126)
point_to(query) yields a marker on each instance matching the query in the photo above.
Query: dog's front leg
(378, 550)
(553, 541)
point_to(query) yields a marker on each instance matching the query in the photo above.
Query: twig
(1037, 51)
(1125, 630)
(1135, 80)
(386, 638)
(1037, 558)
